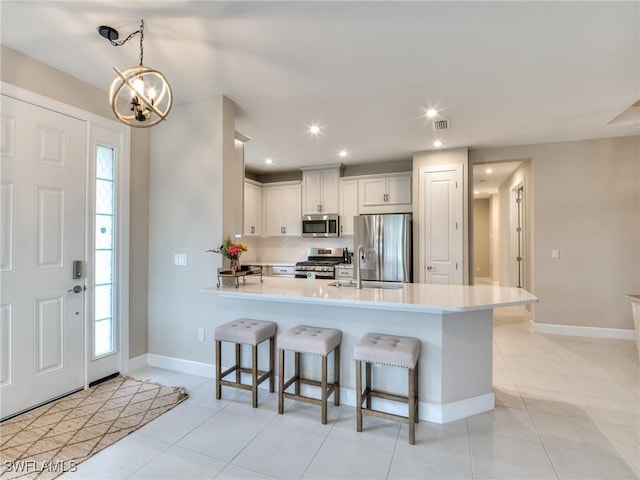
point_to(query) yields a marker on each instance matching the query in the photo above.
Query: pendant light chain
(141, 40)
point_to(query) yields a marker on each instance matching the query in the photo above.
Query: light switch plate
(180, 259)
(555, 253)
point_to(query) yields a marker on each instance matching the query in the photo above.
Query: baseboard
(179, 365)
(136, 363)
(429, 412)
(579, 331)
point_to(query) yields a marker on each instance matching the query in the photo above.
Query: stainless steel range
(320, 263)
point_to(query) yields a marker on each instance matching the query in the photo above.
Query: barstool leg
(272, 364)
(280, 381)
(358, 395)
(296, 372)
(412, 407)
(323, 383)
(238, 361)
(336, 375)
(254, 376)
(218, 369)
(367, 373)
(416, 376)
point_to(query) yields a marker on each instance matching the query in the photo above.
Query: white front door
(442, 220)
(42, 209)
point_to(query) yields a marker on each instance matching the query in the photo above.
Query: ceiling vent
(441, 124)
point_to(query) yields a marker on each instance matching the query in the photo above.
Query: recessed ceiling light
(314, 129)
(488, 170)
(437, 143)
(343, 153)
(476, 192)
(268, 161)
(431, 113)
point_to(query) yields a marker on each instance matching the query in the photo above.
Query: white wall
(586, 203)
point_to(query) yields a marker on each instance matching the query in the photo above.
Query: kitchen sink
(368, 284)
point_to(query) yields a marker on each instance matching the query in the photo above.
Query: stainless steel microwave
(320, 225)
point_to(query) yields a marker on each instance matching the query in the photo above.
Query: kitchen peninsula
(453, 322)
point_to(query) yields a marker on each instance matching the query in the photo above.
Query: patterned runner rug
(53, 439)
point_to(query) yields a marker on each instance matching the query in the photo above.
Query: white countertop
(412, 297)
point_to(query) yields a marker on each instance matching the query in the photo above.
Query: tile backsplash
(287, 249)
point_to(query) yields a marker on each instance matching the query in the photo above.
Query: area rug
(53, 439)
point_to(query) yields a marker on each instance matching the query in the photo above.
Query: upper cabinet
(320, 190)
(389, 193)
(252, 208)
(283, 214)
(348, 205)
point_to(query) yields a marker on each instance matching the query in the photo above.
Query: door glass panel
(103, 302)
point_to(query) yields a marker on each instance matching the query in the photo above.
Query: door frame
(517, 239)
(459, 214)
(122, 306)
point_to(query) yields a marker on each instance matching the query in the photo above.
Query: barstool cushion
(304, 339)
(388, 350)
(245, 330)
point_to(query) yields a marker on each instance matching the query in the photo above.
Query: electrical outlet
(201, 334)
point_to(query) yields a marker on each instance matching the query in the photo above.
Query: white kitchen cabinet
(348, 206)
(320, 190)
(283, 213)
(252, 208)
(390, 193)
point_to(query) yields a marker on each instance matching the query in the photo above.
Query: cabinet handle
(253, 229)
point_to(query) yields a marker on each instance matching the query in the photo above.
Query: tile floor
(567, 408)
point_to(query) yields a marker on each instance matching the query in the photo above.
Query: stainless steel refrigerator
(386, 240)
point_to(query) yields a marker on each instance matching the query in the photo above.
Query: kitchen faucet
(360, 255)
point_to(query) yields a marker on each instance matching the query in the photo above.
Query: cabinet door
(274, 211)
(329, 183)
(312, 198)
(348, 206)
(373, 191)
(252, 209)
(399, 190)
(292, 211)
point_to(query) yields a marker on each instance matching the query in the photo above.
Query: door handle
(76, 289)
(431, 268)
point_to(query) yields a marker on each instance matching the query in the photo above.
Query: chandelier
(145, 91)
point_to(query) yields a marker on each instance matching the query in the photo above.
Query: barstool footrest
(389, 416)
(262, 376)
(381, 394)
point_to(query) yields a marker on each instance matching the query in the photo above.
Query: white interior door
(442, 221)
(42, 317)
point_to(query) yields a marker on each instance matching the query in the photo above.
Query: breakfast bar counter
(454, 324)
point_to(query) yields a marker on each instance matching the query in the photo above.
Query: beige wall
(188, 159)
(27, 73)
(481, 238)
(586, 203)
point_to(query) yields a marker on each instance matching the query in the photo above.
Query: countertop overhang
(412, 297)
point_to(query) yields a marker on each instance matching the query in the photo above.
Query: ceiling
(487, 177)
(503, 73)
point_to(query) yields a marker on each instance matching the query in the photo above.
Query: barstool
(245, 331)
(317, 341)
(394, 351)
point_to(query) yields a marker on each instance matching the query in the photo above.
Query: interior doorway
(501, 241)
